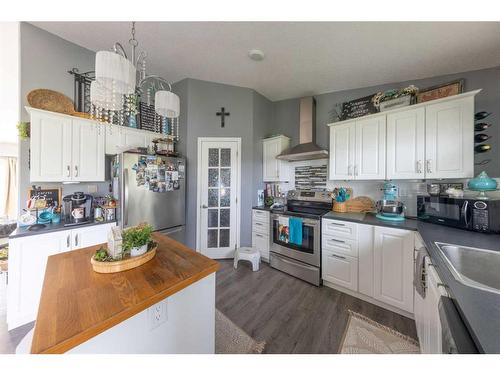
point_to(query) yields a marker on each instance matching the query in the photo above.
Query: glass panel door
(218, 198)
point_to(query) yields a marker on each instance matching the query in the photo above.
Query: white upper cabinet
(88, 151)
(275, 170)
(370, 149)
(426, 140)
(50, 154)
(393, 267)
(406, 144)
(357, 150)
(342, 151)
(450, 139)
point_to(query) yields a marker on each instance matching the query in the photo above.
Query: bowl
(389, 207)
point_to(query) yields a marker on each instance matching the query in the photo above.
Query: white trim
(412, 106)
(236, 140)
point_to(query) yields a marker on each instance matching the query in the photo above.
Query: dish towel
(295, 224)
(283, 231)
(419, 272)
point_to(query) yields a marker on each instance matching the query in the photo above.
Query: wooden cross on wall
(222, 115)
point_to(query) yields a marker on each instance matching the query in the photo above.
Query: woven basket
(50, 100)
(339, 207)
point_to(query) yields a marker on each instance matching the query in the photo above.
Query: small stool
(247, 253)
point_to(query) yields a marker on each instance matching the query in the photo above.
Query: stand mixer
(390, 208)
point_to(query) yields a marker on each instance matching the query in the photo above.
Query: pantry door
(219, 163)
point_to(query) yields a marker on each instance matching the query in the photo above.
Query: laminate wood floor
(9, 340)
(291, 315)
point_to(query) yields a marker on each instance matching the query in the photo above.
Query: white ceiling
(302, 58)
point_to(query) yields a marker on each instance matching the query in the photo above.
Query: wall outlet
(157, 314)
(92, 189)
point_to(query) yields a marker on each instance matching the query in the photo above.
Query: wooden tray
(123, 265)
(50, 100)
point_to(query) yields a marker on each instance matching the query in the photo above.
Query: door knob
(204, 206)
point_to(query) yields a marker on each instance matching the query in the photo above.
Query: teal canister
(482, 182)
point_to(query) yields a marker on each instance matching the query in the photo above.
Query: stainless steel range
(296, 244)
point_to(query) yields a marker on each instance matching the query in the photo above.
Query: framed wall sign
(441, 91)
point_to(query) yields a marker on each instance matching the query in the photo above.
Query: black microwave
(479, 215)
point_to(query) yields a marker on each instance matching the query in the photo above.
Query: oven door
(309, 251)
(455, 212)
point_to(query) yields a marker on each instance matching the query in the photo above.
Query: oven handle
(284, 260)
(310, 222)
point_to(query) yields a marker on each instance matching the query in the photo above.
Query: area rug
(365, 336)
(230, 339)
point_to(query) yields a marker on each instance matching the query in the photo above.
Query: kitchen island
(166, 305)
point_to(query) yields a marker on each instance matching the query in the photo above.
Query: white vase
(136, 251)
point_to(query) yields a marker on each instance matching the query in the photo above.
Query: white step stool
(247, 253)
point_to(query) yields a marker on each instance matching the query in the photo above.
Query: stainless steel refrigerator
(152, 190)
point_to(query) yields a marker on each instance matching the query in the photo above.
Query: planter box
(402, 101)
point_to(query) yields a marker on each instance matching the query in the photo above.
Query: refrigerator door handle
(125, 196)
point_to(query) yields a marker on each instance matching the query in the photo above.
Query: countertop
(24, 231)
(479, 309)
(77, 303)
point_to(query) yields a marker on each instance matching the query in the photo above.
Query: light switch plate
(157, 314)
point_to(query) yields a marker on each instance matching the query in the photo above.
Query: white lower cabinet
(376, 262)
(427, 314)
(27, 262)
(261, 232)
(393, 267)
(340, 269)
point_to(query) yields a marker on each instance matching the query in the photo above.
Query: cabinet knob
(67, 241)
(428, 164)
(76, 170)
(68, 169)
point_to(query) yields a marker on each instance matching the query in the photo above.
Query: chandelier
(121, 81)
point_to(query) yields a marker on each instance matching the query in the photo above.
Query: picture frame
(441, 91)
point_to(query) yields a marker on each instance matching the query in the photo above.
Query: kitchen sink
(477, 268)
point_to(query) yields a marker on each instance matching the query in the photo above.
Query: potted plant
(24, 130)
(136, 239)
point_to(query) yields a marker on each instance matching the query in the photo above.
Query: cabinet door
(88, 151)
(271, 149)
(50, 154)
(365, 259)
(393, 267)
(133, 138)
(406, 144)
(431, 312)
(27, 262)
(370, 149)
(449, 139)
(261, 242)
(113, 137)
(339, 269)
(342, 144)
(90, 236)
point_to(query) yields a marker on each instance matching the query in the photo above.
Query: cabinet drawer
(260, 215)
(261, 227)
(340, 245)
(340, 269)
(340, 228)
(261, 242)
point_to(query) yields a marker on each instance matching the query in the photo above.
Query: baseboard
(369, 299)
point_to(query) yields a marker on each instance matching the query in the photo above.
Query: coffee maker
(77, 208)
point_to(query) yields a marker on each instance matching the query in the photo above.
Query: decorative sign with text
(358, 107)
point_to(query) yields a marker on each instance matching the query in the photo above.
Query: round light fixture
(256, 54)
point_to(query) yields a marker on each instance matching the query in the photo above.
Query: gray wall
(262, 119)
(204, 99)
(45, 60)
(286, 116)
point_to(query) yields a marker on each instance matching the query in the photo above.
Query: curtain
(8, 187)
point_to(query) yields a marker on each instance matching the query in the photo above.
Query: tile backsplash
(311, 177)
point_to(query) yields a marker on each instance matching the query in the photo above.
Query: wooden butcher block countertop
(77, 303)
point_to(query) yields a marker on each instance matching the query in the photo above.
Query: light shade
(115, 72)
(103, 98)
(167, 104)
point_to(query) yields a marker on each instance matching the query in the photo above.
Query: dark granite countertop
(479, 309)
(24, 231)
(263, 208)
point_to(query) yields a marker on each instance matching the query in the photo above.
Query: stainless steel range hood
(307, 149)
